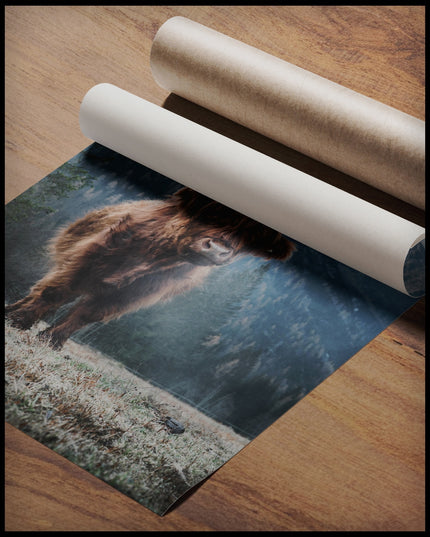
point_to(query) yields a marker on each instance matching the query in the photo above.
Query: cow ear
(120, 233)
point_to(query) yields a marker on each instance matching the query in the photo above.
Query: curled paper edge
(323, 217)
(413, 273)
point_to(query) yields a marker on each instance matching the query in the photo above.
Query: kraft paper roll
(335, 125)
(365, 237)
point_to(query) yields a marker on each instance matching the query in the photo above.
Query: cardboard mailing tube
(340, 225)
(328, 122)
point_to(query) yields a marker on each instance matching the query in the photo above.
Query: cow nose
(217, 250)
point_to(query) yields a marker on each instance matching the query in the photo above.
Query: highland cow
(121, 258)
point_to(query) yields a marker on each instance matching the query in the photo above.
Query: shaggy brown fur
(128, 256)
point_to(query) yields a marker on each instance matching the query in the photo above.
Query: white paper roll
(302, 207)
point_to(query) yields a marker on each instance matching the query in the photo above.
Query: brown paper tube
(328, 122)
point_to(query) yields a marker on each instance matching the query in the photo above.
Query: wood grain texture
(350, 455)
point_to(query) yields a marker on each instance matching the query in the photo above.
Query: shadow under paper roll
(414, 271)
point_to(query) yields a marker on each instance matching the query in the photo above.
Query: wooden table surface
(350, 455)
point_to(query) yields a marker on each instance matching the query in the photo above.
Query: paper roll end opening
(92, 96)
(414, 270)
(157, 54)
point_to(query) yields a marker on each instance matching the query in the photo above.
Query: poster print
(152, 333)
